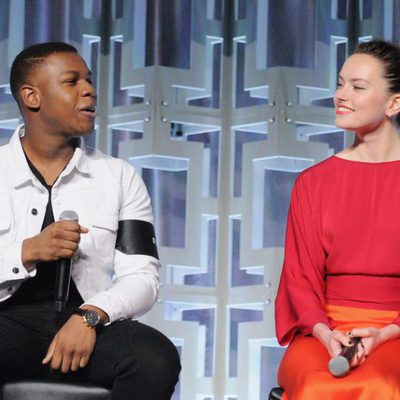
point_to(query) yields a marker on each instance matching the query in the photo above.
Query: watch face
(92, 318)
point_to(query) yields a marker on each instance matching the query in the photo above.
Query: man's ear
(394, 106)
(30, 97)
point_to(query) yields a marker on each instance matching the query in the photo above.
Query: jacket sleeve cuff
(13, 268)
(310, 318)
(105, 302)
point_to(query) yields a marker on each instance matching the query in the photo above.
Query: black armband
(136, 237)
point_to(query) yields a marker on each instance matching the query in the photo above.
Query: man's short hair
(31, 58)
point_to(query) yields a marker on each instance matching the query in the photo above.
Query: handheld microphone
(340, 366)
(63, 272)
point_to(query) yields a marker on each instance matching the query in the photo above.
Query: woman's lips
(344, 110)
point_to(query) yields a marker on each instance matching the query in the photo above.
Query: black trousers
(134, 360)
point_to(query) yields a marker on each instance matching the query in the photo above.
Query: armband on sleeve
(136, 237)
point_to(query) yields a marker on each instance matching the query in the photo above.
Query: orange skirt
(304, 375)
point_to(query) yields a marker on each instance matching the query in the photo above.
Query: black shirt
(42, 286)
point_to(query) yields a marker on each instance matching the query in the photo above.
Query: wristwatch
(90, 318)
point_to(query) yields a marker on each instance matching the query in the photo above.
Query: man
(45, 170)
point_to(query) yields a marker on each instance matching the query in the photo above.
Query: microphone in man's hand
(63, 272)
(340, 366)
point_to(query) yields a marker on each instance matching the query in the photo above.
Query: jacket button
(15, 270)
(34, 211)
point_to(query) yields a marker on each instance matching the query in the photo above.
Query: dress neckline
(365, 162)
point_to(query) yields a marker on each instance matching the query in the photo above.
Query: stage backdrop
(219, 105)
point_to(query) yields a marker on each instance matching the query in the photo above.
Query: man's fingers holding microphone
(58, 240)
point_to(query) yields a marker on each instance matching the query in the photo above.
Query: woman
(341, 275)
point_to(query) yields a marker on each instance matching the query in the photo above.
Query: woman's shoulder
(317, 182)
(321, 169)
(324, 177)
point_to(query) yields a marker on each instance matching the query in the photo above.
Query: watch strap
(82, 312)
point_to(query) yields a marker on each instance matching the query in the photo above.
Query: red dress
(342, 249)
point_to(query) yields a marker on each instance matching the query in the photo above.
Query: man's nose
(89, 90)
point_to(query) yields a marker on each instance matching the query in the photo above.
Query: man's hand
(58, 240)
(72, 346)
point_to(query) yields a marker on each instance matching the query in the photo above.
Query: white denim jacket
(102, 190)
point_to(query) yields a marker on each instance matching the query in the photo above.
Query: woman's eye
(358, 88)
(339, 85)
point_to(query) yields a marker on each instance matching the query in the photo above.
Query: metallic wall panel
(219, 104)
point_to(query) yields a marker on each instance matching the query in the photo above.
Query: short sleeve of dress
(300, 301)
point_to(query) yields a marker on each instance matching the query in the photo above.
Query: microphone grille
(339, 366)
(69, 215)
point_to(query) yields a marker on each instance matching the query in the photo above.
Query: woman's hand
(332, 340)
(371, 339)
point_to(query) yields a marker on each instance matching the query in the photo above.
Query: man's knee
(158, 357)
(145, 352)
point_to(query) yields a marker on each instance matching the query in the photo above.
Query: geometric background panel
(219, 105)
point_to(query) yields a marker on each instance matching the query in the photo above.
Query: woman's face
(362, 97)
